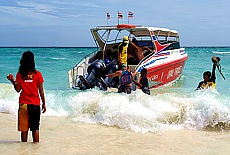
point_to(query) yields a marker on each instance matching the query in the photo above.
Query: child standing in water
(29, 82)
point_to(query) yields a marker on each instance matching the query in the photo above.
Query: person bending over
(125, 79)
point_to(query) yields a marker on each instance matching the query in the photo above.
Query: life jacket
(124, 53)
(208, 85)
(126, 78)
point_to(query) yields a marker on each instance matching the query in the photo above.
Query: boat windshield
(115, 36)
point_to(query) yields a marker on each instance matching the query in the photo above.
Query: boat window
(172, 39)
(166, 40)
(173, 45)
(144, 41)
(115, 36)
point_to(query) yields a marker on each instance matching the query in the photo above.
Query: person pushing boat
(143, 82)
(125, 79)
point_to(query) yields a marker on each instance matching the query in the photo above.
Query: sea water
(172, 107)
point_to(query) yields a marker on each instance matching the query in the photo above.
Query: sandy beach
(59, 135)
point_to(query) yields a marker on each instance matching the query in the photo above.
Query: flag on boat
(130, 14)
(108, 15)
(120, 15)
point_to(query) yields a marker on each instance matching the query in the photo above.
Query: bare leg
(24, 136)
(35, 136)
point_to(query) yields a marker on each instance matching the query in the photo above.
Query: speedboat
(161, 53)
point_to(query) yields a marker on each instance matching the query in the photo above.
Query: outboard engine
(94, 78)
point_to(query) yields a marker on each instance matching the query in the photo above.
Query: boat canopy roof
(108, 37)
(140, 31)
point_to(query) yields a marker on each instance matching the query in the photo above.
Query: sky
(67, 23)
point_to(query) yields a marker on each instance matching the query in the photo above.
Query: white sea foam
(219, 52)
(143, 113)
(55, 58)
(137, 112)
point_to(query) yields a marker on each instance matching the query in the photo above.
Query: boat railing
(75, 76)
(78, 73)
(84, 57)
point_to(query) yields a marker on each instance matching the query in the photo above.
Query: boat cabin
(108, 38)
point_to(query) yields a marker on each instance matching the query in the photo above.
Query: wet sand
(60, 135)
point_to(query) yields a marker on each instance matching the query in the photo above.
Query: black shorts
(34, 112)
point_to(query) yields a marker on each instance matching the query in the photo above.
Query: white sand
(60, 135)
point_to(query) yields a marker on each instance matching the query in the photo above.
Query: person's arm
(134, 45)
(17, 86)
(119, 54)
(117, 73)
(147, 48)
(213, 72)
(42, 95)
(133, 75)
(199, 86)
(137, 83)
(139, 52)
(213, 76)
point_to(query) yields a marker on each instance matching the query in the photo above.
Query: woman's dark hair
(27, 64)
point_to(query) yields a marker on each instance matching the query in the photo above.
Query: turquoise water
(173, 106)
(52, 62)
